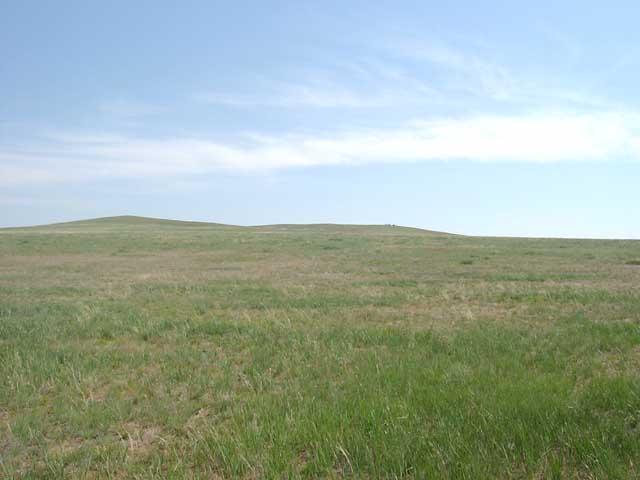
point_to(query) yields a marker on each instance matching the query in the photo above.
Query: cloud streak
(410, 72)
(464, 72)
(325, 95)
(127, 108)
(294, 96)
(540, 137)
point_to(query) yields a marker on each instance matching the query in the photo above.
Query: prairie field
(140, 348)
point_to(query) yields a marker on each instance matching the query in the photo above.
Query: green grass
(141, 348)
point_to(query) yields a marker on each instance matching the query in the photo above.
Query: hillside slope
(136, 222)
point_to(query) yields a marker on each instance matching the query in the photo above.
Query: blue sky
(486, 118)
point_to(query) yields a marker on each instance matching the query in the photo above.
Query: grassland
(134, 348)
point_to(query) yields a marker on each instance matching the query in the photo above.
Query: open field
(147, 349)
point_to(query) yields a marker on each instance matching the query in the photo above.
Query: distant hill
(132, 221)
(344, 228)
(135, 220)
(119, 222)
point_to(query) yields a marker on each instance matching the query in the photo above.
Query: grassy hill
(146, 348)
(126, 221)
(137, 221)
(120, 222)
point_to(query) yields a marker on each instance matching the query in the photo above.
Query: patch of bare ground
(139, 439)
(620, 363)
(66, 446)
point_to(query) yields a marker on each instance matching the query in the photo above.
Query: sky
(482, 118)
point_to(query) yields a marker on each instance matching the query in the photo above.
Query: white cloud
(535, 137)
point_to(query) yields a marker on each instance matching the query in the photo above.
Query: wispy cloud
(128, 108)
(546, 123)
(481, 75)
(534, 137)
(411, 71)
(468, 71)
(328, 94)
(366, 82)
(293, 96)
